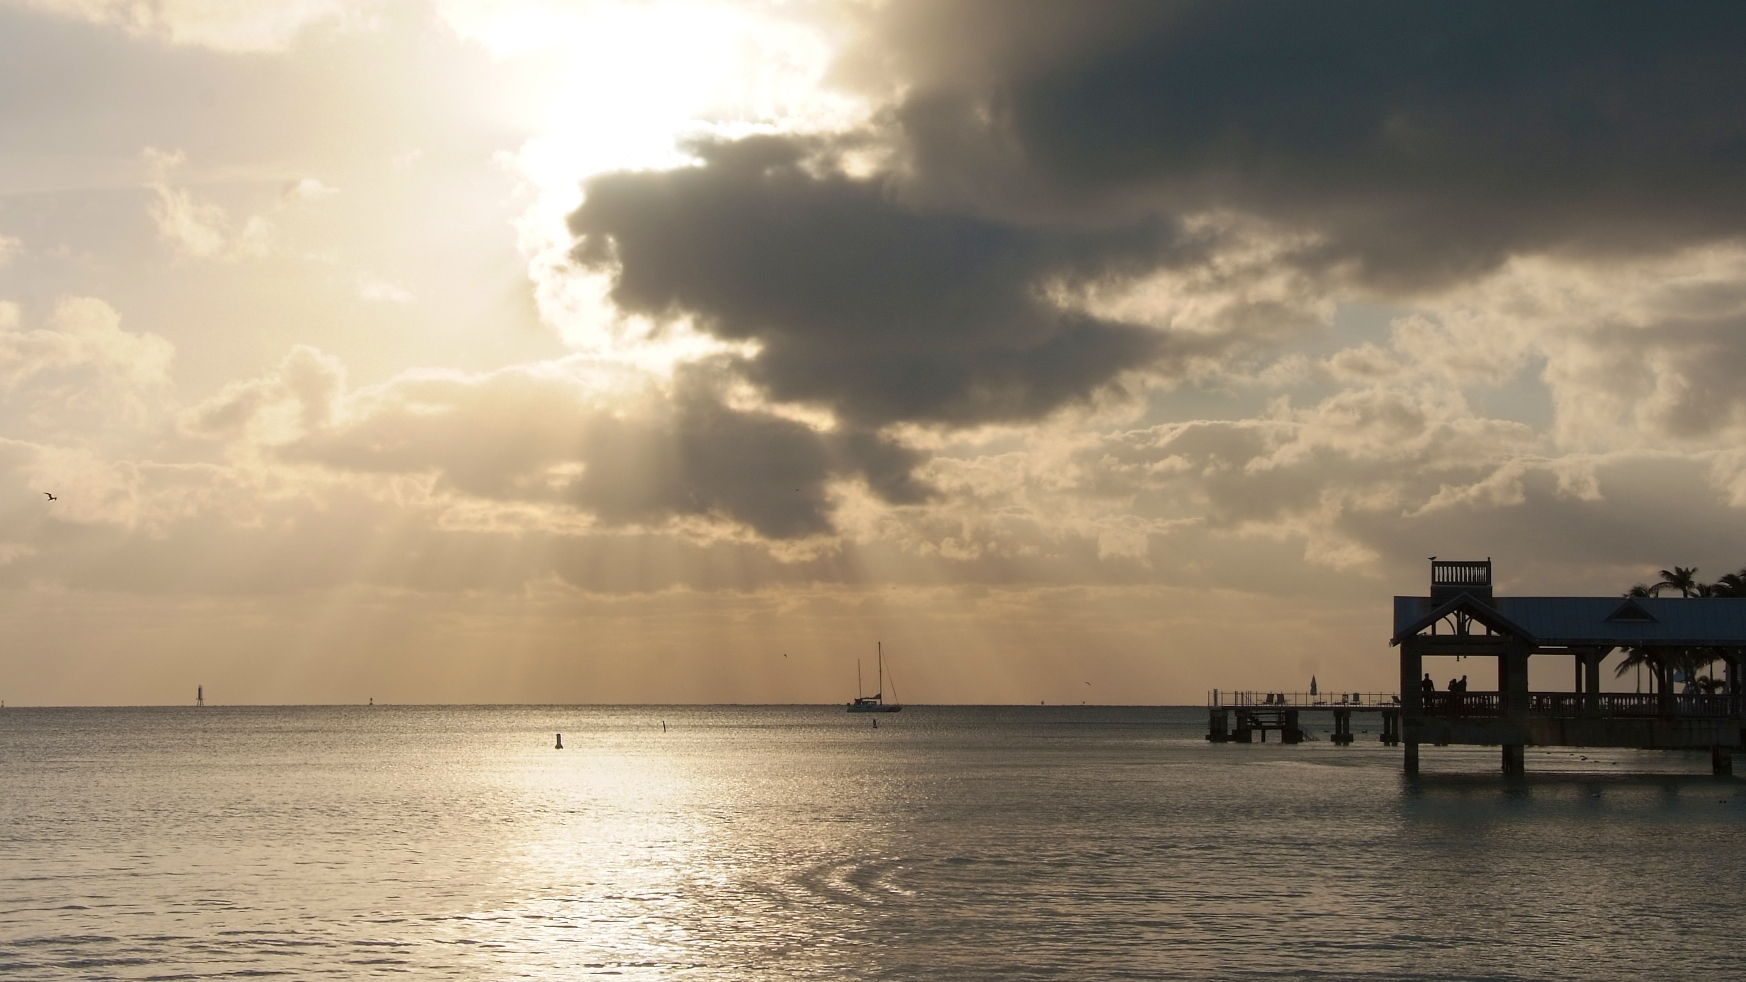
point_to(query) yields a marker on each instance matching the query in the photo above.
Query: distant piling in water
(560, 745)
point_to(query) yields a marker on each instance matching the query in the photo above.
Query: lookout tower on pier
(1463, 618)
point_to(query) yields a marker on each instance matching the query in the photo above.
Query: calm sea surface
(802, 843)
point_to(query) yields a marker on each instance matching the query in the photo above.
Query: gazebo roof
(1580, 621)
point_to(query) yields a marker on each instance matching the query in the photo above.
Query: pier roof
(1580, 621)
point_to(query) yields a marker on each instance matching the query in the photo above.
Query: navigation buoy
(560, 745)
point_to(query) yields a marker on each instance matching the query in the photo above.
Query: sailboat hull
(875, 707)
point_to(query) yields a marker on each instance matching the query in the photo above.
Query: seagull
(51, 497)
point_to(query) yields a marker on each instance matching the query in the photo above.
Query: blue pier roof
(1578, 621)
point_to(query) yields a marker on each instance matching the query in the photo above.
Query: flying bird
(51, 497)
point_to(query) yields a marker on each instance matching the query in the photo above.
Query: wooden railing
(1462, 704)
(1573, 704)
(1302, 700)
(1488, 704)
(1460, 573)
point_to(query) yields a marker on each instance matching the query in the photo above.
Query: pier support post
(1411, 699)
(1342, 726)
(1513, 760)
(1291, 733)
(1218, 726)
(1512, 670)
(1390, 727)
(1721, 761)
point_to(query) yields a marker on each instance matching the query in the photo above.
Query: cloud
(1296, 474)
(82, 370)
(882, 312)
(578, 439)
(199, 229)
(371, 288)
(1420, 145)
(10, 248)
(233, 25)
(308, 189)
(1634, 354)
(295, 398)
(1065, 203)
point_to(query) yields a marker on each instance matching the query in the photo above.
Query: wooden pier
(1462, 619)
(1236, 717)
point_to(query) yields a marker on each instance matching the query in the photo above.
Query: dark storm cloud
(883, 311)
(1409, 146)
(1424, 142)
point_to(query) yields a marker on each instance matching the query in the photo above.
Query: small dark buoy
(560, 745)
(876, 722)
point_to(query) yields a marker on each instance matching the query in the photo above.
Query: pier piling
(1514, 761)
(1218, 725)
(1342, 726)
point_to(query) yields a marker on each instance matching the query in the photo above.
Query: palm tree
(1730, 585)
(1635, 657)
(1684, 578)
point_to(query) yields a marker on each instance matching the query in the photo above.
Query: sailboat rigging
(874, 703)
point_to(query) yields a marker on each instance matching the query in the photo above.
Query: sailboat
(874, 703)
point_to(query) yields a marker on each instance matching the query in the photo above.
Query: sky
(484, 351)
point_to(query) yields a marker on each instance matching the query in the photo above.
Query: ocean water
(802, 843)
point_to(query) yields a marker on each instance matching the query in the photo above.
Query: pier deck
(1236, 717)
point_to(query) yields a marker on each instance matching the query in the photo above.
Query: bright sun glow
(622, 86)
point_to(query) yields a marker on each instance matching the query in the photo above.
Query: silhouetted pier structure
(1237, 717)
(1461, 618)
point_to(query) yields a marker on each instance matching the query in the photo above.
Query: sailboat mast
(857, 678)
(881, 692)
